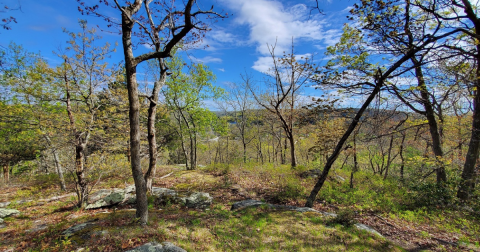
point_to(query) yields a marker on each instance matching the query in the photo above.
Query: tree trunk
(244, 152)
(59, 170)
(292, 150)
(80, 145)
(467, 183)
(355, 163)
(338, 148)
(134, 118)
(82, 191)
(389, 157)
(129, 153)
(152, 142)
(402, 166)
(6, 173)
(58, 166)
(432, 123)
(195, 152)
(152, 113)
(192, 153)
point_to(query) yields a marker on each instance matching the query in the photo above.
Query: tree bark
(80, 145)
(355, 163)
(432, 123)
(402, 166)
(58, 166)
(6, 173)
(82, 191)
(292, 150)
(134, 118)
(467, 183)
(152, 113)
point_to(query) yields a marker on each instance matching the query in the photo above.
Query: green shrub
(428, 194)
(344, 217)
(288, 190)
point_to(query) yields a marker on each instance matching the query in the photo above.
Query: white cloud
(263, 64)
(347, 9)
(207, 59)
(149, 46)
(270, 22)
(219, 38)
(221, 69)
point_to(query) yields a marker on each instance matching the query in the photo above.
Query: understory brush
(370, 192)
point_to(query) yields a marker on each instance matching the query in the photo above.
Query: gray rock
(130, 198)
(307, 209)
(161, 192)
(340, 178)
(98, 195)
(130, 189)
(329, 214)
(199, 200)
(114, 197)
(1, 221)
(246, 203)
(156, 247)
(368, 229)
(77, 228)
(4, 212)
(314, 173)
(4, 204)
(38, 228)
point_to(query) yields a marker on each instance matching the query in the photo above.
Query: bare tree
(287, 76)
(239, 99)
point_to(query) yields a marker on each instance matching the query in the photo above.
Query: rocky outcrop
(156, 247)
(111, 197)
(368, 229)
(73, 230)
(246, 203)
(4, 204)
(103, 198)
(4, 212)
(198, 200)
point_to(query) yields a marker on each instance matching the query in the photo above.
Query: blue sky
(235, 45)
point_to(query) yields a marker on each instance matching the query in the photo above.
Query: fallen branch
(166, 175)
(381, 218)
(446, 242)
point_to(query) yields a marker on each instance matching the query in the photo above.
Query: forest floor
(39, 225)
